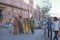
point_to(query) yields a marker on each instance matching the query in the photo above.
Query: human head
(15, 18)
(49, 19)
(55, 19)
(20, 16)
(9, 18)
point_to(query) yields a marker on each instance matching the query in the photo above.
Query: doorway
(1, 14)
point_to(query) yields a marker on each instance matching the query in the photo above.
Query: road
(38, 35)
(4, 35)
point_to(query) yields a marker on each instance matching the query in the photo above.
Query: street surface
(38, 35)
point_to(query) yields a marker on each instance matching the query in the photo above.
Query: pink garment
(16, 30)
(16, 27)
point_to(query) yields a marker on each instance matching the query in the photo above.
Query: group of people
(53, 25)
(16, 26)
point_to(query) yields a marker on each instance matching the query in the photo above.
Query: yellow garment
(26, 27)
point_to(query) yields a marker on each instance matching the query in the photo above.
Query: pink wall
(20, 4)
(24, 14)
(12, 2)
(24, 5)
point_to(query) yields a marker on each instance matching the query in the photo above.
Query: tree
(47, 6)
(45, 10)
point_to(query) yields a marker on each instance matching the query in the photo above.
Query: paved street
(38, 35)
(52, 36)
(4, 35)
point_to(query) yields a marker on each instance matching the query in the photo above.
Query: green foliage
(47, 6)
(45, 10)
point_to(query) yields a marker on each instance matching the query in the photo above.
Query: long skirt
(26, 27)
(16, 30)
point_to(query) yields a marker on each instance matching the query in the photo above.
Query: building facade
(16, 8)
(37, 14)
(12, 8)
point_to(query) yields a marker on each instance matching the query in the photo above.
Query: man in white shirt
(56, 27)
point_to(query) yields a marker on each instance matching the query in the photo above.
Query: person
(16, 26)
(49, 24)
(21, 25)
(31, 25)
(56, 28)
(10, 22)
(26, 26)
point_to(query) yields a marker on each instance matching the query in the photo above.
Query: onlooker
(49, 27)
(56, 28)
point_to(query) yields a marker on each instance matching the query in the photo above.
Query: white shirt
(56, 26)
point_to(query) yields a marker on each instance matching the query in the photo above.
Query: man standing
(20, 25)
(49, 27)
(56, 28)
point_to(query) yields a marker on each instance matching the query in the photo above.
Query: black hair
(55, 18)
(20, 16)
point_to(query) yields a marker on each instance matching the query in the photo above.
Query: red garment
(16, 27)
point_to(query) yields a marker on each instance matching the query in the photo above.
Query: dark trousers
(56, 33)
(50, 32)
(32, 30)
